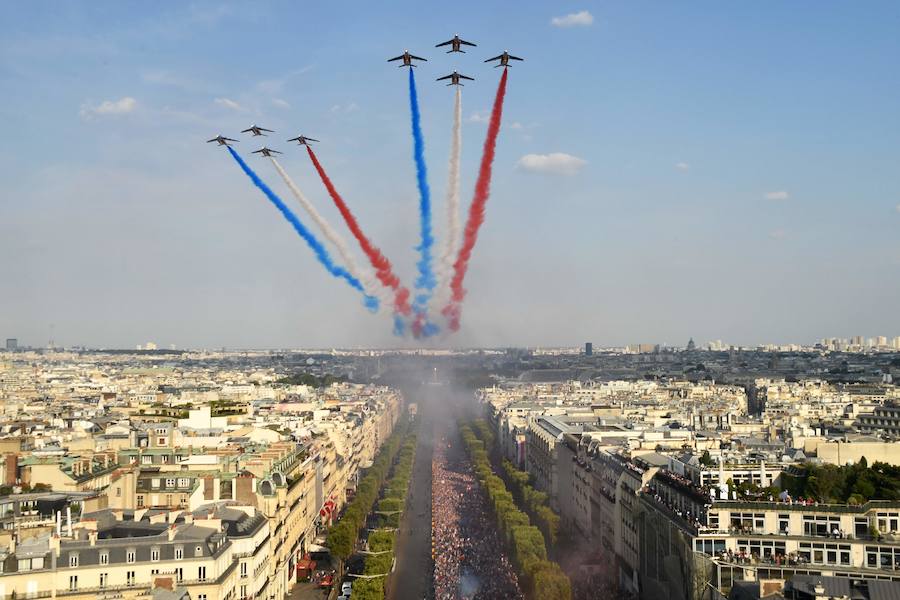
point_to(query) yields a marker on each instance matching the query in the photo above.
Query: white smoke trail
(364, 275)
(451, 237)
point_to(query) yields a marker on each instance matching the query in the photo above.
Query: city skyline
(693, 179)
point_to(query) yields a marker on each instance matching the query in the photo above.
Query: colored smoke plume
(311, 240)
(451, 238)
(476, 211)
(425, 280)
(365, 276)
(380, 263)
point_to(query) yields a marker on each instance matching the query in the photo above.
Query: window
(201, 596)
(154, 572)
(104, 579)
(198, 551)
(147, 459)
(201, 573)
(784, 523)
(140, 501)
(243, 592)
(73, 582)
(104, 558)
(170, 483)
(154, 554)
(129, 578)
(184, 482)
(155, 483)
(243, 569)
(129, 555)
(118, 492)
(179, 552)
(179, 574)
(73, 559)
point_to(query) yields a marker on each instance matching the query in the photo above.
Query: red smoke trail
(476, 210)
(382, 265)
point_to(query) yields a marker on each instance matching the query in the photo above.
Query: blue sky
(730, 171)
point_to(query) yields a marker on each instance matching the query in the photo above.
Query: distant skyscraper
(588, 349)
(12, 344)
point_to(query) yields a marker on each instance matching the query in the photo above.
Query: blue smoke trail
(426, 280)
(317, 247)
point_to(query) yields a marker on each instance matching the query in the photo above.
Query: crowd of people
(469, 561)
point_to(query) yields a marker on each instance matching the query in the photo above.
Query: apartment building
(218, 553)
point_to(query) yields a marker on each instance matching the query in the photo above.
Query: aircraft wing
(515, 57)
(465, 77)
(447, 43)
(418, 57)
(312, 139)
(395, 58)
(264, 129)
(498, 57)
(229, 140)
(246, 130)
(444, 77)
(212, 140)
(465, 43)
(296, 139)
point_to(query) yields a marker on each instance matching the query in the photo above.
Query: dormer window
(73, 559)
(198, 551)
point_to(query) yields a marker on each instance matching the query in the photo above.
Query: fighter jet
(455, 44)
(223, 141)
(303, 140)
(454, 78)
(407, 59)
(504, 59)
(257, 130)
(266, 151)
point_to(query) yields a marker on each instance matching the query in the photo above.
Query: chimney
(164, 583)
(54, 545)
(172, 531)
(92, 536)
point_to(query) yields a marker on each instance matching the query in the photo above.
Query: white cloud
(516, 125)
(229, 104)
(777, 234)
(479, 117)
(682, 166)
(280, 103)
(579, 19)
(779, 195)
(121, 106)
(345, 108)
(555, 163)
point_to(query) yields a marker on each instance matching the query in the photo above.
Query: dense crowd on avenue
(469, 561)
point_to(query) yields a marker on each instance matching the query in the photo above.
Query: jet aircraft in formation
(504, 59)
(222, 140)
(257, 130)
(455, 44)
(454, 78)
(303, 140)
(265, 151)
(407, 59)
